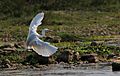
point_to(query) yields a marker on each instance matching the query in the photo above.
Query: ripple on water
(61, 71)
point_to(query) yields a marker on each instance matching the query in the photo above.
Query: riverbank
(14, 55)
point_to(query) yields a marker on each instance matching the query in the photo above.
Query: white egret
(33, 41)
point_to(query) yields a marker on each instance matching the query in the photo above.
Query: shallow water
(63, 70)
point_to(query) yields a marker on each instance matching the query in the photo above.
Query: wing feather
(37, 20)
(43, 48)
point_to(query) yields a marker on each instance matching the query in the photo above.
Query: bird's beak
(50, 30)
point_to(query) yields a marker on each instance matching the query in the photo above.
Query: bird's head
(46, 30)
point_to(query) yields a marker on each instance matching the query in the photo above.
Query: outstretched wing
(33, 27)
(43, 48)
(36, 21)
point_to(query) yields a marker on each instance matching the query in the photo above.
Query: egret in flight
(33, 40)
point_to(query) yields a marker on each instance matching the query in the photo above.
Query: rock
(6, 63)
(7, 66)
(9, 49)
(45, 60)
(1, 50)
(35, 59)
(76, 56)
(0, 61)
(90, 58)
(111, 56)
(7, 45)
(65, 56)
(19, 44)
(115, 66)
(93, 43)
(116, 59)
(6, 51)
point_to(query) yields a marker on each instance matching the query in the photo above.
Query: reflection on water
(63, 70)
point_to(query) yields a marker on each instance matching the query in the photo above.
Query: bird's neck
(34, 32)
(43, 33)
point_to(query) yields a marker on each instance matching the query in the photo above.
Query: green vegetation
(20, 8)
(70, 26)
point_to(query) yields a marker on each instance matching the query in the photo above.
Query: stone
(6, 63)
(7, 45)
(45, 60)
(65, 56)
(111, 56)
(9, 49)
(35, 59)
(93, 43)
(115, 66)
(76, 56)
(90, 58)
(7, 66)
(1, 50)
(19, 44)
(0, 62)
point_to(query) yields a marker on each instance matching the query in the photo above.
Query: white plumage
(33, 41)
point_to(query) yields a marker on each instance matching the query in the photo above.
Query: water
(63, 70)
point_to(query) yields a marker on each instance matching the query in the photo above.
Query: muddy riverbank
(15, 55)
(15, 60)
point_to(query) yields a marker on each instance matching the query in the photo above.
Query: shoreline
(62, 65)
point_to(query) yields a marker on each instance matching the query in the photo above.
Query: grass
(69, 25)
